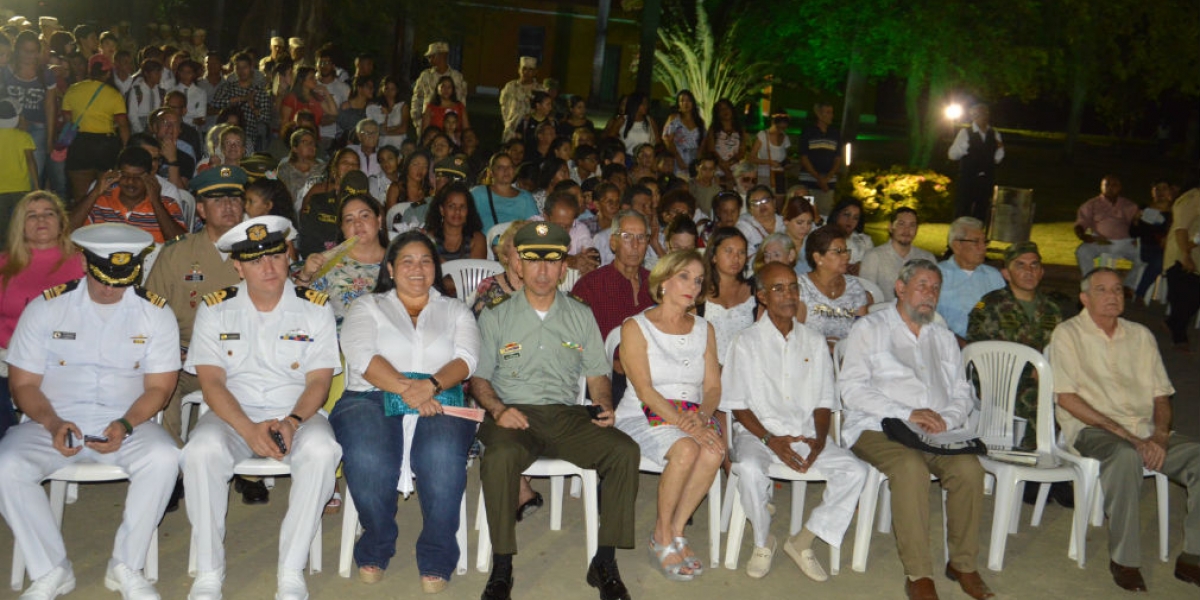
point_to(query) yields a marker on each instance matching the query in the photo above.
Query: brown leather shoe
(1128, 578)
(1189, 572)
(971, 583)
(921, 589)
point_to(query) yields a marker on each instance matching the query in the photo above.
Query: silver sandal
(673, 572)
(693, 562)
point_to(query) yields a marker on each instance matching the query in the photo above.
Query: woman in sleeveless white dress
(670, 358)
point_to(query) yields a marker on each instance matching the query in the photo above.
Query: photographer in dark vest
(978, 149)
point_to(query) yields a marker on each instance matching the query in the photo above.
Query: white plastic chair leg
(1163, 488)
(349, 534)
(72, 497)
(1014, 519)
(576, 487)
(461, 535)
(799, 488)
(556, 502)
(727, 507)
(866, 516)
(737, 527)
(483, 554)
(1040, 505)
(1006, 494)
(885, 508)
(714, 521)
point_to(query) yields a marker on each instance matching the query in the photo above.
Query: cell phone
(70, 439)
(278, 437)
(98, 439)
(594, 411)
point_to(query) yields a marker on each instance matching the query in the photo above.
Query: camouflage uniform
(999, 316)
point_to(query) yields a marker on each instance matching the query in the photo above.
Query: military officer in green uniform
(536, 344)
(1021, 313)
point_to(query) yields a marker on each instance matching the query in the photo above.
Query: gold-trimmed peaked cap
(114, 252)
(539, 240)
(253, 238)
(219, 182)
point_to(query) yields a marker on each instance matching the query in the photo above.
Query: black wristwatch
(437, 387)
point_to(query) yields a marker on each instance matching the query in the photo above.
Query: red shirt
(611, 296)
(313, 105)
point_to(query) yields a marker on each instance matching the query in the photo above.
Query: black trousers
(974, 197)
(1183, 295)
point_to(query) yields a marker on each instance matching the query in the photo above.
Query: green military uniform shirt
(999, 316)
(188, 268)
(530, 360)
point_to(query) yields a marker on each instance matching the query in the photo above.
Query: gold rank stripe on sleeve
(219, 296)
(60, 289)
(311, 295)
(150, 296)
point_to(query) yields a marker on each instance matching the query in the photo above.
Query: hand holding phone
(278, 437)
(594, 411)
(97, 439)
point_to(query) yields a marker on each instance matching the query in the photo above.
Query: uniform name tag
(230, 336)
(510, 350)
(64, 335)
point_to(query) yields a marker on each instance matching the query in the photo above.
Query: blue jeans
(41, 153)
(8, 417)
(372, 451)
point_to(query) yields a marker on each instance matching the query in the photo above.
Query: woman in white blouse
(408, 348)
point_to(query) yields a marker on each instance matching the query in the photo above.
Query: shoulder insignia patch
(497, 301)
(150, 296)
(178, 238)
(579, 300)
(318, 298)
(979, 305)
(219, 296)
(60, 289)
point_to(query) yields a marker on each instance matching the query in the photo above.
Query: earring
(660, 290)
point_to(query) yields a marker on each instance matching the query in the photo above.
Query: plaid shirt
(257, 120)
(610, 295)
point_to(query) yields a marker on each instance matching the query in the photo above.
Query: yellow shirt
(1185, 214)
(1119, 376)
(14, 169)
(97, 118)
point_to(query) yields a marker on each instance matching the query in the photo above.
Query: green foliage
(708, 62)
(883, 190)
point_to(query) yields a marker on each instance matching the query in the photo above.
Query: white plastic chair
(351, 529)
(1090, 480)
(557, 470)
(998, 366)
(262, 467)
(494, 232)
(187, 204)
(82, 472)
(467, 273)
(776, 471)
(569, 279)
(395, 214)
(871, 287)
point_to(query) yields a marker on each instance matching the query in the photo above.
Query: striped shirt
(108, 209)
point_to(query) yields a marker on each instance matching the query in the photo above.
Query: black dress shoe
(604, 576)
(253, 492)
(499, 586)
(176, 496)
(1187, 572)
(1063, 493)
(1127, 578)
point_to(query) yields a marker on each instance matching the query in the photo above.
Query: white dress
(727, 322)
(676, 372)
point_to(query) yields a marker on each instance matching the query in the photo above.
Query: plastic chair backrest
(494, 232)
(998, 367)
(611, 343)
(395, 213)
(871, 287)
(468, 272)
(570, 277)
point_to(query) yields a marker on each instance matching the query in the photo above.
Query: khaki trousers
(564, 432)
(173, 413)
(908, 472)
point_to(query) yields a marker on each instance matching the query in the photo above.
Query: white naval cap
(252, 238)
(114, 251)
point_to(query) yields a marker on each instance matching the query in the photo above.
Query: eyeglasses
(838, 251)
(779, 288)
(760, 201)
(633, 238)
(974, 241)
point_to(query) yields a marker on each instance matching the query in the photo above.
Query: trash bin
(1012, 215)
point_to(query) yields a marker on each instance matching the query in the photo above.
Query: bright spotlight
(954, 111)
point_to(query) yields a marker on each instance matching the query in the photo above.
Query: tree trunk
(933, 115)
(913, 88)
(856, 84)
(602, 10)
(651, 13)
(1079, 96)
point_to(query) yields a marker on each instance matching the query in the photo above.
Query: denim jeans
(41, 153)
(372, 451)
(8, 417)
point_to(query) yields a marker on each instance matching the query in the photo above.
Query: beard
(916, 316)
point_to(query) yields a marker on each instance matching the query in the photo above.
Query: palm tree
(694, 57)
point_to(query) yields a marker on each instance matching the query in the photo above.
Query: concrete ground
(551, 563)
